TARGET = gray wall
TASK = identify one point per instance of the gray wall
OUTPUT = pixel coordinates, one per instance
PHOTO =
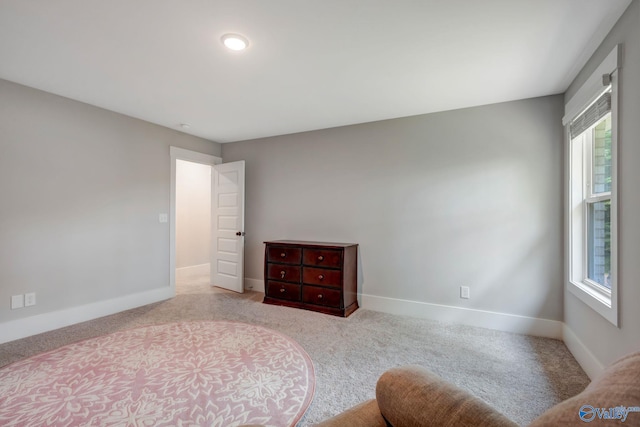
(468, 197)
(604, 340)
(81, 189)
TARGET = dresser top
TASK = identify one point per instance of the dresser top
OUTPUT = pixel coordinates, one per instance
(307, 243)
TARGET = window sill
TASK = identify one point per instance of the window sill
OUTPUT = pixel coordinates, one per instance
(598, 301)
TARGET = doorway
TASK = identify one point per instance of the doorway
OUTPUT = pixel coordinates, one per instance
(193, 223)
(211, 240)
(188, 267)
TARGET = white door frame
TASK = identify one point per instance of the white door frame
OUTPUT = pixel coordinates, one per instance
(176, 154)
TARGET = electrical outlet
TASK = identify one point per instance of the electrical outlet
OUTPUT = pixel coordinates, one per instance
(29, 299)
(17, 301)
(163, 217)
(464, 292)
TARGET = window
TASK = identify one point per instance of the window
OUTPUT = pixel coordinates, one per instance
(591, 119)
(592, 167)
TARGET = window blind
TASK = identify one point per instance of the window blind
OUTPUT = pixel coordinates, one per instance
(600, 108)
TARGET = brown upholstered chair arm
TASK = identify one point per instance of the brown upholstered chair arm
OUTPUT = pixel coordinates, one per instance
(413, 397)
(365, 414)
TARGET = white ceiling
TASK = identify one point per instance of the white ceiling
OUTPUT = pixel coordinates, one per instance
(310, 64)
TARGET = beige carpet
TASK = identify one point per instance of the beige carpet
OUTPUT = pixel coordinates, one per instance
(519, 375)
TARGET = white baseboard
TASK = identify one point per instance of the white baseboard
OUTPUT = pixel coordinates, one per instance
(193, 271)
(28, 326)
(465, 316)
(256, 285)
(585, 358)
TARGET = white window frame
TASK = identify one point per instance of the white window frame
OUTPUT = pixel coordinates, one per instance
(600, 299)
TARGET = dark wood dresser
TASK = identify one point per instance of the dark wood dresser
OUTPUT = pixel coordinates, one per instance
(312, 275)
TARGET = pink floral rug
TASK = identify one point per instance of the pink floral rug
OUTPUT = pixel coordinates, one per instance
(181, 374)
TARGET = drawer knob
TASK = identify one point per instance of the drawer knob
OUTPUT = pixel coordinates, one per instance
(281, 289)
(320, 296)
(320, 258)
(320, 276)
(282, 273)
(283, 255)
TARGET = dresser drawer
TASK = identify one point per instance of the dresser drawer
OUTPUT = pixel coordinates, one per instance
(322, 257)
(284, 254)
(283, 272)
(281, 290)
(321, 276)
(321, 296)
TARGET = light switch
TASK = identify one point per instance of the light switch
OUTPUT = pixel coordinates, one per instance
(163, 217)
(17, 301)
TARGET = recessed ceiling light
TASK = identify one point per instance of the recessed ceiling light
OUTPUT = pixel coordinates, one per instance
(235, 41)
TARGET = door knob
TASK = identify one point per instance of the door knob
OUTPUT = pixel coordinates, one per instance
(240, 233)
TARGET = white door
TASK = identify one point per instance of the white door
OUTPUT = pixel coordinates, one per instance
(227, 226)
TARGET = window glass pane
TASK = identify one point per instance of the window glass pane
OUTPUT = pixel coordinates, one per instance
(601, 170)
(599, 241)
